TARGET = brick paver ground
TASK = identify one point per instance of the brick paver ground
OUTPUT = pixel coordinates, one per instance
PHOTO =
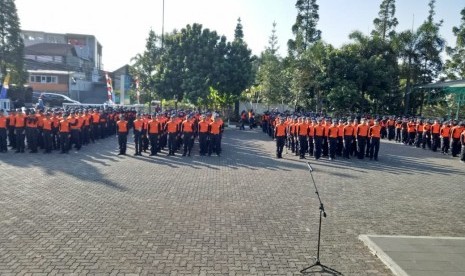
(244, 213)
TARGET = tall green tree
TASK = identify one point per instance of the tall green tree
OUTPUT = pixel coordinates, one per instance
(386, 22)
(239, 67)
(146, 67)
(271, 73)
(431, 45)
(455, 65)
(11, 43)
(305, 27)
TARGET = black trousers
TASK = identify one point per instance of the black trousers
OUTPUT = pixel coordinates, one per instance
(153, 143)
(203, 143)
(455, 146)
(138, 141)
(32, 139)
(361, 143)
(64, 141)
(426, 140)
(311, 145)
(95, 134)
(347, 146)
(122, 142)
(188, 142)
(391, 132)
(3, 138)
(20, 134)
(435, 142)
(214, 144)
(445, 143)
(303, 145)
(332, 144)
(398, 135)
(172, 142)
(76, 138)
(48, 140)
(374, 148)
(12, 136)
(419, 139)
(318, 140)
(280, 141)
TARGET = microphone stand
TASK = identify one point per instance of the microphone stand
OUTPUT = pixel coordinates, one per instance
(322, 213)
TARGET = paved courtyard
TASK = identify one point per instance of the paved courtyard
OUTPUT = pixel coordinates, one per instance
(244, 213)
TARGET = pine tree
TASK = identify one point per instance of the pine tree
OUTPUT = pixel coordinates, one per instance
(386, 22)
(305, 27)
(11, 43)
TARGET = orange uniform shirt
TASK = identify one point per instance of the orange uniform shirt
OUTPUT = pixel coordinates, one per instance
(375, 131)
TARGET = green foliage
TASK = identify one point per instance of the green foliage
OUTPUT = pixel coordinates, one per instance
(386, 23)
(193, 61)
(11, 43)
(455, 65)
(305, 27)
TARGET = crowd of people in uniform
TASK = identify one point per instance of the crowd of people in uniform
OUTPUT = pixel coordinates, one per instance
(360, 137)
(61, 130)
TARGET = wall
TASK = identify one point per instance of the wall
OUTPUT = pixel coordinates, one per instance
(261, 108)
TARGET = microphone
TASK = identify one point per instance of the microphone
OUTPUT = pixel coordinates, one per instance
(309, 167)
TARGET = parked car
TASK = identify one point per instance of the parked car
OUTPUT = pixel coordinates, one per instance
(52, 99)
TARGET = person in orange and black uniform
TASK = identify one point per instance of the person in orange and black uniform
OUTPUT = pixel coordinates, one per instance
(172, 130)
(153, 130)
(462, 142)
(122, 132)
(215, 129)
(32, 132)
(188, 130)
(76, 121)
(375, 136)
(419, 132)
(361, 134)
(303, 130)
(64, 130)
(95, 133)
(138, 126)
(11, 129)
(333, 133)
(55, 131)
(311, 134)
(47, 125)
(3, 134)
(20, 131)
(86, 127)
(426, 135)
(243, 119)
(349, 133)
(203, 128)
(280, 134)
(435, 134)
(391, 128)
(319, 134)
(411, 126)
(399, 130)
(444, 133)
(455, 133)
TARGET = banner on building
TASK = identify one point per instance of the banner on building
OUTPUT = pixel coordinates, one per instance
(6, 82)
(110, 94)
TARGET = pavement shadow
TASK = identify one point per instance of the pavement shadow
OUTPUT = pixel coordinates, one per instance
(79, 164)
(391, 164)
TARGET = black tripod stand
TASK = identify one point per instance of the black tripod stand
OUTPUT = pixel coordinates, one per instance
(322, 213)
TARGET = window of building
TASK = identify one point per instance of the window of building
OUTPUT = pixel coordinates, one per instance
(43, 79)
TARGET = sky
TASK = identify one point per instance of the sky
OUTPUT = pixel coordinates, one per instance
(122, 27)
